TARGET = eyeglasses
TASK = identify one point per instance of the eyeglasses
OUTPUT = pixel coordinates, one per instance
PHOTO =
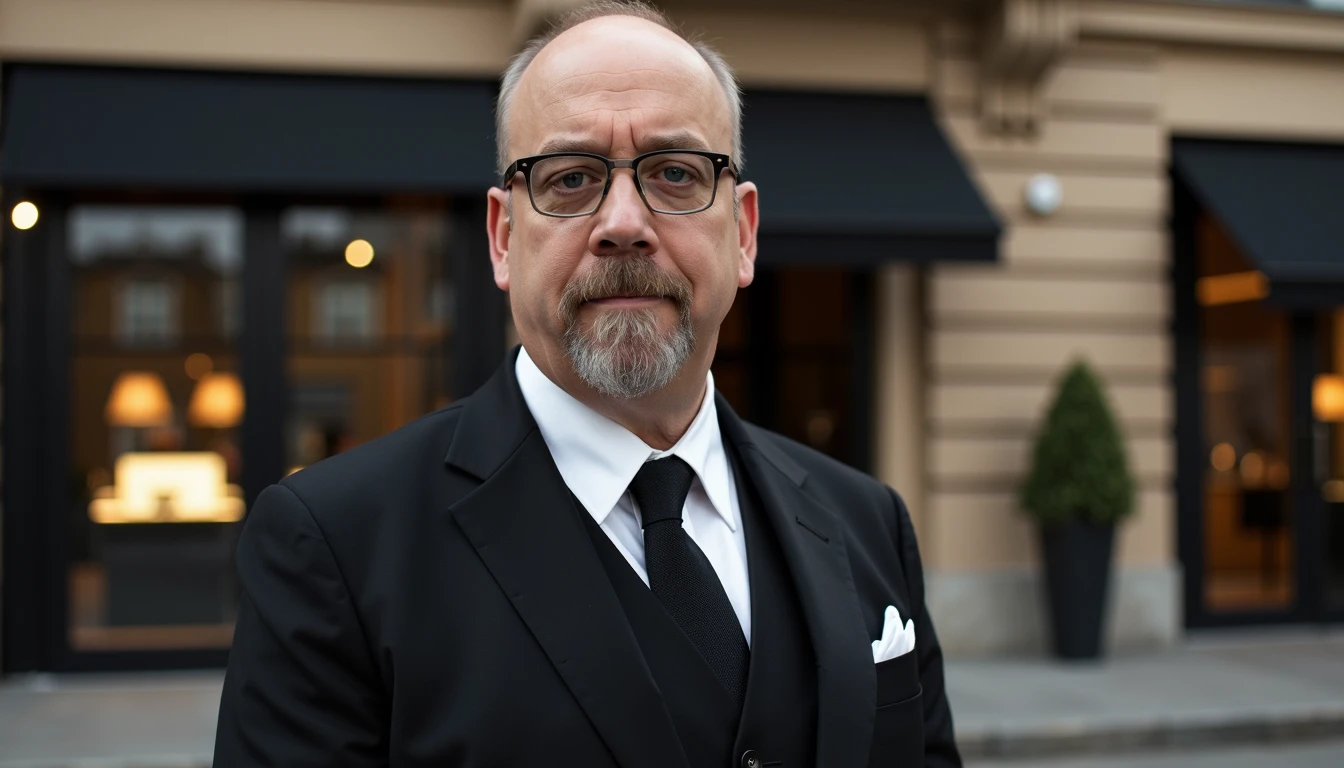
(571, 184)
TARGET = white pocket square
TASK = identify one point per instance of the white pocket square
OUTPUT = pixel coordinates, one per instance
(896, 640)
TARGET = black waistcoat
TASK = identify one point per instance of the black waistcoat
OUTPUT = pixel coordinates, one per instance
(778, 721)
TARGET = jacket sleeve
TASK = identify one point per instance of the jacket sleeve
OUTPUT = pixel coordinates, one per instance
(940, 745)
(301, 688)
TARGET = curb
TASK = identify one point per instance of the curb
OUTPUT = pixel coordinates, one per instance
(160, 761)
(1169, 732)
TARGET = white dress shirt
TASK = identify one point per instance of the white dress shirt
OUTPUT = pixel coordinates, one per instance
(598, 459)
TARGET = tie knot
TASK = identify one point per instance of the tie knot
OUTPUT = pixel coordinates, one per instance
(660, 489)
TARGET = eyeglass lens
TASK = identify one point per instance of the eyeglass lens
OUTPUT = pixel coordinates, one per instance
(571, 185)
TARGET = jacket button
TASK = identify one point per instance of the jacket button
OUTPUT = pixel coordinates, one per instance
(750, 760)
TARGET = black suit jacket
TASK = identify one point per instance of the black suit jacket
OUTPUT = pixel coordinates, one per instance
(422, 600)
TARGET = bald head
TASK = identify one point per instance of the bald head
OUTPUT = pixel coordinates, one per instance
(602, 55)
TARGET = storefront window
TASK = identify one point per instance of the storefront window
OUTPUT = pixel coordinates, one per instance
(155, 406)
(1246, 382)
(370, 322)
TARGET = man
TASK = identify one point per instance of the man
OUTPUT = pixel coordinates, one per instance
(592, 561)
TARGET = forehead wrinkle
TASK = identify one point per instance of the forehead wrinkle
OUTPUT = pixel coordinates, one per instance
(558, 98)
(583, 98)
(598, 110)
(646, 139)
(624, 73)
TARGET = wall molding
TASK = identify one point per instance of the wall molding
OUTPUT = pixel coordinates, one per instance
(1276, 27)
(1022, 41)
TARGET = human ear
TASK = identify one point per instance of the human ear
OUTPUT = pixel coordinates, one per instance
(748, 220)
(499, 227)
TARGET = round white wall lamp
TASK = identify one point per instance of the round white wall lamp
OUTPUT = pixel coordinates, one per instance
(1044, 194)
(24, 215)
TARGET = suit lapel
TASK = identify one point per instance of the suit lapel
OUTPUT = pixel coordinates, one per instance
(817, 558)
(522, 522)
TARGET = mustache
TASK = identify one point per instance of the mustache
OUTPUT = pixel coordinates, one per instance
(623, 277)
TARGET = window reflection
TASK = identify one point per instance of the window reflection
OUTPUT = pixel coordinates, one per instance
(156, 403)
(370, 306)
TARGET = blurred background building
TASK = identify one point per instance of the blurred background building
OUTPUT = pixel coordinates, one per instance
(248, 234)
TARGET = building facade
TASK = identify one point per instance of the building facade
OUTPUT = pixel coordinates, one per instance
(260, 239)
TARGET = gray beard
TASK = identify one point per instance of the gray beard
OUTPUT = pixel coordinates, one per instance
(623, 355)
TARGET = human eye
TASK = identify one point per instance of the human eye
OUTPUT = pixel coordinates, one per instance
(566, 177)
(673, 172)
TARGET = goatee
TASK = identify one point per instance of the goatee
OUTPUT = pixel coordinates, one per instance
(623, 353)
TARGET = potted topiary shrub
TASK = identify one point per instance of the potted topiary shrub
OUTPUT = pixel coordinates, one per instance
(1078, 489)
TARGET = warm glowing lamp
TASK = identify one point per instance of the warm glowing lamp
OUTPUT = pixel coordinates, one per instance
(139, 399)
(359, 254)
(1327, 397)
(24, 215)
(168, 488)
(217, 401)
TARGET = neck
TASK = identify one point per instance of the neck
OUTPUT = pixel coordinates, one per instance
(658, 418)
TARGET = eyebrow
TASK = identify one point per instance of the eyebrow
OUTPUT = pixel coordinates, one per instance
(672, 140)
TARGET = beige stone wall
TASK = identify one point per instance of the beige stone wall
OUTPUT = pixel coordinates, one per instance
(1286, 95)
(464, 37)
(899, 451)
(872, 47)
(1088, 281)
(872, 51)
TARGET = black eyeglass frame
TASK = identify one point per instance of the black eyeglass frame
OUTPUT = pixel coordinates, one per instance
(524, 165)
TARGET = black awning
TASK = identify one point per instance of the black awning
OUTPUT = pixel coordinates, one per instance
(860, 180)
(98, 127)
(1282, 203)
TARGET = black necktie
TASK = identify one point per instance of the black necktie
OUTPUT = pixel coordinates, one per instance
(682, 578)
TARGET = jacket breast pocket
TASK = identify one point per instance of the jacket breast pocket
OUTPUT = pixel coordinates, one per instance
(898, 731)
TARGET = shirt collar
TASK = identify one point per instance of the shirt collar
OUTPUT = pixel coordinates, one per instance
(598, 457)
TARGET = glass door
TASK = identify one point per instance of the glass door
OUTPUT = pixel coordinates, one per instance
(1246, 382)
(1260, 433)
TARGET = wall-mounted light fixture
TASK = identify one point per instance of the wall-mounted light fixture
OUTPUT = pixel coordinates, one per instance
(1044, 194)
(24, 215)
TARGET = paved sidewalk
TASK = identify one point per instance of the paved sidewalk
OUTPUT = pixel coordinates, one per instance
(1227, 689)
(145, 720)
(1271, 690)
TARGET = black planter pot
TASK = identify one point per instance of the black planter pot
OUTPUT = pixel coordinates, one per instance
(1077, 573)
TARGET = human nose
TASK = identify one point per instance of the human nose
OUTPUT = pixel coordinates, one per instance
(623, 222)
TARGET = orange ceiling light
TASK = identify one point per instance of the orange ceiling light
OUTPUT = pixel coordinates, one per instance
(1234, 288)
